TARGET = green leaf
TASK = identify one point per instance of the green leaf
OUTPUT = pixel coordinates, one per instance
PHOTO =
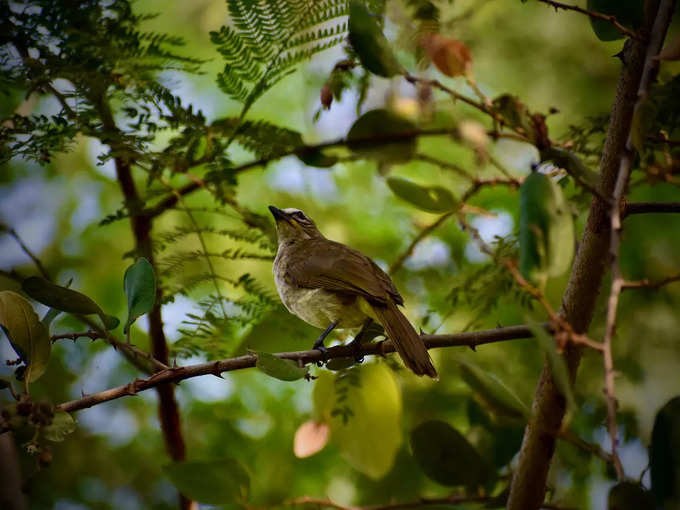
(384, 136)
(212, 482)
(367, 39)
(337, 364)
(366, 418)
(546, 230)
(29, 337)
(64, 299)
(629, 13)
(316, 158)
(283, 369)
(502, 401)
(447, 457)
(644, 115)
(630, 496)
(664, 455)
(428, 198)
(62, 425)
(323, 396)
(556, 362)
(140, 288)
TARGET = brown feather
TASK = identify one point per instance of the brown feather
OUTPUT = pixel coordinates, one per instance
(406, 340)
(321, 263)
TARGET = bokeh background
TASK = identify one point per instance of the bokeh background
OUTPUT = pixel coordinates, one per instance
(547, 59)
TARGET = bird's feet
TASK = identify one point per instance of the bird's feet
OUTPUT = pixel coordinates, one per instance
(357, 353)
(319, 346)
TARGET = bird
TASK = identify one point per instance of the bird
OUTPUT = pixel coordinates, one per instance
(330, 285)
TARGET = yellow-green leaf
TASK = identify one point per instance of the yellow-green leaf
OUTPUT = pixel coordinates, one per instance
(428, 198)
(283, 369)
(62, 425)
(323, 396)
(366, 418)
(27, 334)
(212, 482)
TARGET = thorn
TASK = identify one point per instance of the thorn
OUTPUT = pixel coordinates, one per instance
(473, 348)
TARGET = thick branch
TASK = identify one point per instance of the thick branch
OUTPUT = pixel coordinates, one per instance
(578, 304)
(176, 374)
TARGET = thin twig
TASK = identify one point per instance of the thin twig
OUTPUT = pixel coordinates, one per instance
(650, 207)
(30, 254)
(92, 335)
(170, 201)
(447, 165)
(477, 185)
(562, 326)
(648, 74)
(453, 500)
(176, 374)
(649, 284)
(593, 448)
(593, 14)
(399, 261)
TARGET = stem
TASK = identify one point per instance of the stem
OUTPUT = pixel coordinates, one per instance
(175, 374)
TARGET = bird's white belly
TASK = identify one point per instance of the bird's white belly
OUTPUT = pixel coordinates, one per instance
(320, 307)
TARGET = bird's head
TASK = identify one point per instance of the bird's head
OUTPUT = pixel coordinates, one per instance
(292, 224)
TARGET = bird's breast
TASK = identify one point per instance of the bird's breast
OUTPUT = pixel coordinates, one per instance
(318, 307)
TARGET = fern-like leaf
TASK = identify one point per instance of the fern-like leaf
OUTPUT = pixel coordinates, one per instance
(269, 38)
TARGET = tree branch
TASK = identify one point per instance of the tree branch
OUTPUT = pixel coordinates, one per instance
(176, 374)
(650, 207)
(578, 303)
(625, 167)
(648, 284)
(593, 14)
(27, 251)
(453, 500)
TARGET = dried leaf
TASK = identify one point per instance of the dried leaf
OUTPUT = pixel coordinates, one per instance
(450, 56)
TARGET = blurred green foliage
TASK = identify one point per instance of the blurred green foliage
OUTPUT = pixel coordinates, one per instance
(214, 248)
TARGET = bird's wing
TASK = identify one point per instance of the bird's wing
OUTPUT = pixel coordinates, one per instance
(334, 266)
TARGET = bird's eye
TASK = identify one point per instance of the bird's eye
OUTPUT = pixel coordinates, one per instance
(299, 216)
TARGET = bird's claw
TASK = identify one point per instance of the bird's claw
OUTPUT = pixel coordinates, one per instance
(319, 346)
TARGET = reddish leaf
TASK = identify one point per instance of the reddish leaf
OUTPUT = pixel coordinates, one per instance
(450, 56)
(310, 438)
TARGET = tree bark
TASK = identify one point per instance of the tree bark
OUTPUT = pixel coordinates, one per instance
(11, 495)
(578, 303)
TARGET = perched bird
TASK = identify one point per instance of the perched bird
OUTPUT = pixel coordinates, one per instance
(330, 285)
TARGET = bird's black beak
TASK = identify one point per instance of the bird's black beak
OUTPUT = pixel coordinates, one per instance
(278, 213)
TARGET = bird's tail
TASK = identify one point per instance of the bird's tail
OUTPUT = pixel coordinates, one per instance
(406, 340)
